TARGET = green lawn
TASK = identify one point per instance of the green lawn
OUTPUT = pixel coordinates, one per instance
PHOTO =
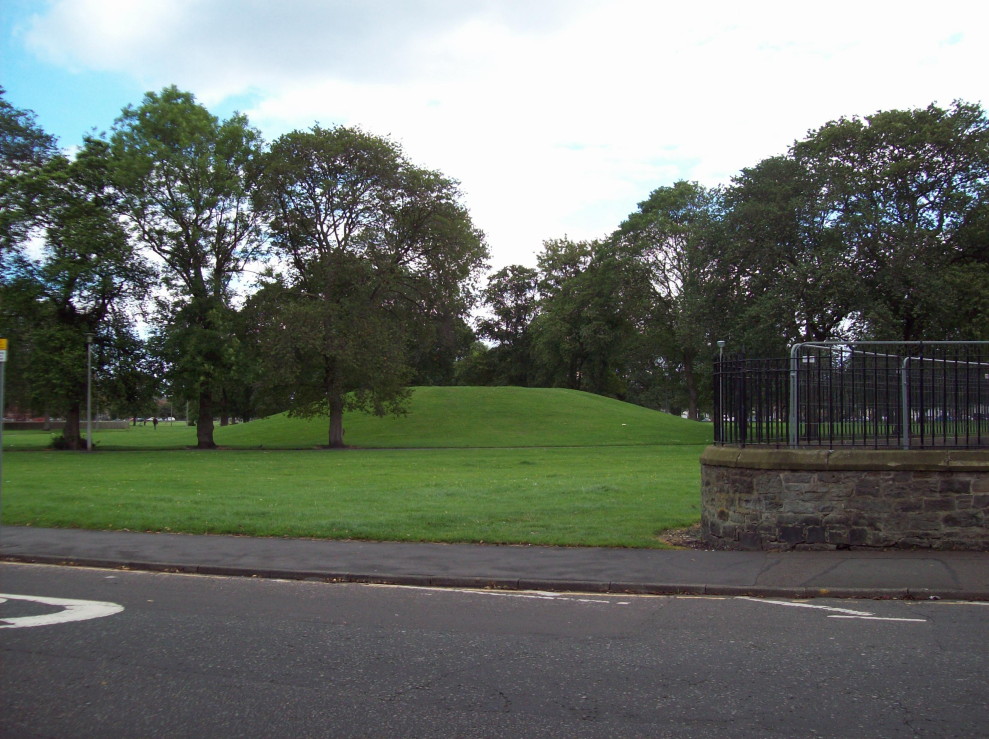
(496, 465)
(438, 417)
(604, 496)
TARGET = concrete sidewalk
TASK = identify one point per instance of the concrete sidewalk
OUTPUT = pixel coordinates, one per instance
(842, 574)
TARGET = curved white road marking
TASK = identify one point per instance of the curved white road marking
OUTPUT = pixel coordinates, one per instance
(73, 610)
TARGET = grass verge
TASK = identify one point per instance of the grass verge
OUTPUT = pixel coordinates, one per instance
(598, 496)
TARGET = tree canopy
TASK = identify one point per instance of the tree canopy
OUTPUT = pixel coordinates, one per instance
(186, 180)
(374, 250)
(325, 271)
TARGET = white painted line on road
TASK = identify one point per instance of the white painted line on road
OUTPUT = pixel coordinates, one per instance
(882, 618)
(844, 612)
(528, 594)
(539, 595)
(73, 610)
(791, 604)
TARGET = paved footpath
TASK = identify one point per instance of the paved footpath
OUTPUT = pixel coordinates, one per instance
(840, 574)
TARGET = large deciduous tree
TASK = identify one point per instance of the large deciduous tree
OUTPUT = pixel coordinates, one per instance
(187, 179)
(24, 146)
(86, 279)
(869, 228)
(594, 303)
(373, 248)
(675, 234)
(788, 266)
(512, 297)
(903, 185)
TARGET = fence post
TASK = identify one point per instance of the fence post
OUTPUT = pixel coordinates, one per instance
(905, 402)
(792, 421)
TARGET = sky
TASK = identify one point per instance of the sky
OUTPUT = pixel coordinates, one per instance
(557, 116)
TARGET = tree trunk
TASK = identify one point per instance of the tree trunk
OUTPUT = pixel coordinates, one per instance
(70, 432)
(204, 428)
(336, 420)
(690, 379)
(224, 412)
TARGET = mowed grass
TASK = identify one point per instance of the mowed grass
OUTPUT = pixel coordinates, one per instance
(604, 496)
(495, 465)
(438, 417)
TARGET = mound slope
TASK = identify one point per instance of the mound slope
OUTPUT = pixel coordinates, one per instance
(458, 417)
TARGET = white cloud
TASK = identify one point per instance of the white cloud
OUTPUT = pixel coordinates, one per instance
(558, 117)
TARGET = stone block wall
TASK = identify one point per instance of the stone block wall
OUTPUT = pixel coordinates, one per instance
(757, 498)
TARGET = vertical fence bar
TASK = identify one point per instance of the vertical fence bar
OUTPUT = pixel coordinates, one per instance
(905, 403)
(716, 393)
(794, 351)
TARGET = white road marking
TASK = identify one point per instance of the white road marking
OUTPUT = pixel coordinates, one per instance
(539, 595)
(844, 612)
(73, 610)
(883, 618)
(528, 594)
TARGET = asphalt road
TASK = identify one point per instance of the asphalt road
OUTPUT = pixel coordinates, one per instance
(208, 656)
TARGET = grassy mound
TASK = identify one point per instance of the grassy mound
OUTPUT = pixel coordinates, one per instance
(458, 417)
(560, 467)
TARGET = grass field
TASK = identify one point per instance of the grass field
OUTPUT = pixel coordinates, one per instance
(438, 417)
(537, 467)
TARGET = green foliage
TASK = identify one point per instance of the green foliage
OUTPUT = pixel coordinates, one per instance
(868, 227)
(594, 303)
(186, 179)
(87, 280)
(24, 147)
(676, 236)
(512, 296)
(379, 254)
(874, 227)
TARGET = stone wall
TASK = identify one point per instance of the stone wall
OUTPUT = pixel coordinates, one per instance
(758, 498)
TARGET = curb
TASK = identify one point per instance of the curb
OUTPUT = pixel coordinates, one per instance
(519, 584)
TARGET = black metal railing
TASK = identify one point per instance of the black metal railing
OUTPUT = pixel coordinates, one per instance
(857, 394)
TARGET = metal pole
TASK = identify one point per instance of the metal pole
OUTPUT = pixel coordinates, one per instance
(3, 364)
(89, 392)
(794, 364)
(905, 402)
(719, 410)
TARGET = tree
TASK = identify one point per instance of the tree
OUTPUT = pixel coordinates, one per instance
(788, 266)
(24, 146)
(512, 297)
(374, 249)
(87, 280)
(187, 179)
(593, 307)
(675, 234)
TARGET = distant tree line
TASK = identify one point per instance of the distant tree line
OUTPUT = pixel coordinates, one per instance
(874, 228)
(324, 271)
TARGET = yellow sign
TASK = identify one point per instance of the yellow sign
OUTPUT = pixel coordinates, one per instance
(3, 345)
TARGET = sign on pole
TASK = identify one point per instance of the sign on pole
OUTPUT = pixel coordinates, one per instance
(3, 350)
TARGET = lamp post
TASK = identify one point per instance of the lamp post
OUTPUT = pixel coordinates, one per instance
(89, 392)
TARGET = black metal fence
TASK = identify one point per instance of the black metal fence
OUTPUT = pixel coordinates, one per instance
(857, 394)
